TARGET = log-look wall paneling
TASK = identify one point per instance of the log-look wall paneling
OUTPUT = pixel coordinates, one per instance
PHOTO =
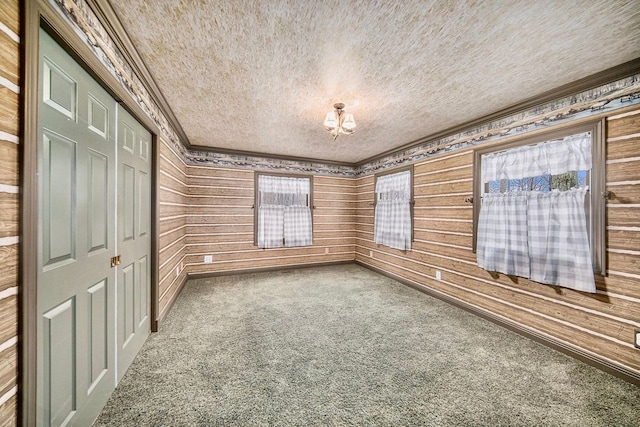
(9, 206)
(600, 325)
(623, 211)
(173, 195)
(220, 221)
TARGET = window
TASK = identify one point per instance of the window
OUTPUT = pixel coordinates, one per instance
(541, 214)
(283, 211)
(393, 221)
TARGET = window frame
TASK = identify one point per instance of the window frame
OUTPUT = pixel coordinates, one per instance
(412, 200)
(256, 199)
(597, 185)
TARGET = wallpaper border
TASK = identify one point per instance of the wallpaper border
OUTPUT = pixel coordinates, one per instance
(605, 98)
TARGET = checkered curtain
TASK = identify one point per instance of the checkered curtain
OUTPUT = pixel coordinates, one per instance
(283, 212)
(559, 239)
(539, 235)
(392, 220)
(297, 226)
(270, 230)
(502, 234)
(572, 153)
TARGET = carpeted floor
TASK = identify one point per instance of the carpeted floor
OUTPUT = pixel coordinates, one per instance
(345, 346)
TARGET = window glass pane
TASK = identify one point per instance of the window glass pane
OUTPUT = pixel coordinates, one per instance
(283, 199)
(544, 183)
(494, 186)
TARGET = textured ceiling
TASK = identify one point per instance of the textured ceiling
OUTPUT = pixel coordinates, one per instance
(261, 75)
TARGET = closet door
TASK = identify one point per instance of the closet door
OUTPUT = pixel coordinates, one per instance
(94, 280)
(76, 241)
(134, 242)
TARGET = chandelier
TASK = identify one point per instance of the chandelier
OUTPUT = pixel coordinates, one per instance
(338, 122)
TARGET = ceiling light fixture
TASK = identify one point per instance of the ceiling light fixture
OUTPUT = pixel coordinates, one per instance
(338, 122)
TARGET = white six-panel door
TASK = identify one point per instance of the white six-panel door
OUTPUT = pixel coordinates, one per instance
(134, 242)
(87, 198)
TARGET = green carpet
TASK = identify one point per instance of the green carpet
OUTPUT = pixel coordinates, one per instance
(346, 346)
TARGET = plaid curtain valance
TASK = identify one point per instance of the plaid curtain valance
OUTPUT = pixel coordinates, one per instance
(572, 153)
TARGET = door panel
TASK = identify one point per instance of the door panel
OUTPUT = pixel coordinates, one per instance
(143, 296)
(59, 89)
(134, 244)
(59, 359)
(126, 292)
(98, 200)
(128, 136)
(98, 117)
(143, 214)
(59, 201)
(98, 300)
(128, 204)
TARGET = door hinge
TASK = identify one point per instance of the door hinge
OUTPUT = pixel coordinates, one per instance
(115, 261)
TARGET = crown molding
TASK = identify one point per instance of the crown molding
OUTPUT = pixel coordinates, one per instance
(590, 82)
(112, 24)
(194, 149)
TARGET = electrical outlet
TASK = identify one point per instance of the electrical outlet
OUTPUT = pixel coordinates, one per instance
(371, 254)
(438, 275)
(208, 259)
(326, 250)
(636, 342)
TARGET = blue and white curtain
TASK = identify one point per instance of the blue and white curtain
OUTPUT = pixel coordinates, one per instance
(284, 214)
(392, 223)
(540, 235)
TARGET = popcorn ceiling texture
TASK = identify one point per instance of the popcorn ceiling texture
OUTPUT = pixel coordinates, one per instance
(260, 76)
(606, 98)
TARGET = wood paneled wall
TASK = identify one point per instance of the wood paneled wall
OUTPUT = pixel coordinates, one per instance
(206, 210)
(220, 223)
(9, 206)
(601, 324)
(173, 192)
